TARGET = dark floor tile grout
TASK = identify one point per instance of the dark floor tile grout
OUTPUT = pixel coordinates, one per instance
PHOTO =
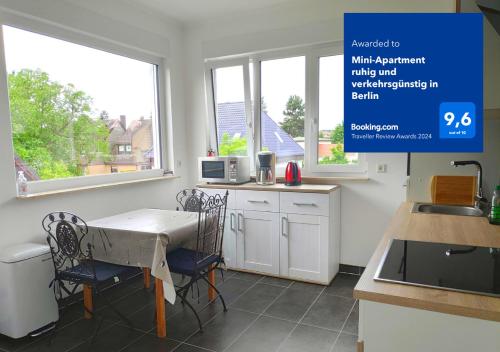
(258, 316)
(294, 322)
(229, 275)
(87, 339)
(216, 315)
(133, 341)
(188, 344)
(301, 318)
(342, 328)
(340, 296)
(173, 315)
(274, 285)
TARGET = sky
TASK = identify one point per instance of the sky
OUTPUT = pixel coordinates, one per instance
(282, 78)
(119, 85)
(123, 86)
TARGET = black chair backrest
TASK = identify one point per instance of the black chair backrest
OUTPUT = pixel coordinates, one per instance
(65, 232)
(190, 199)
(211, 218)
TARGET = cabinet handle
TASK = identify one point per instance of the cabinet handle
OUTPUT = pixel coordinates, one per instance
(283, 221)
(306, 204)
(240, 223)
(257, 201)
(231, 220)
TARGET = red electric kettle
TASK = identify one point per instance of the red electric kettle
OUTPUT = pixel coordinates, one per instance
(292, 174)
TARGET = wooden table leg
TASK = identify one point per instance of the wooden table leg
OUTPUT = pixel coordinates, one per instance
(211, 292)
(161, 321)
(87, 301)
(147, 277)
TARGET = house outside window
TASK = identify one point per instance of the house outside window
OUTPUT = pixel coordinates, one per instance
(94, 120)
(298, 112)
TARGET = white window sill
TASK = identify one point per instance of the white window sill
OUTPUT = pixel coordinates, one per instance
(93, 187)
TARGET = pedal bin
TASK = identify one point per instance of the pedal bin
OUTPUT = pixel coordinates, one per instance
(27, 303)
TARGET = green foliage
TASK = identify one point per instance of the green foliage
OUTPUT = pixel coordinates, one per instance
(232, 145)
(53, 131)
(293, 124)
(337, 157)
(321, 134)
(338, 134)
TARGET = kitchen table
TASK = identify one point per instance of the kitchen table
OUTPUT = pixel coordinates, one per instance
(142, 238)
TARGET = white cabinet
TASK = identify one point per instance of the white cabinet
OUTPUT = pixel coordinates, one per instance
(304, 247)
(287, 234)
(259, 201)
(310, 236)
(258, 242)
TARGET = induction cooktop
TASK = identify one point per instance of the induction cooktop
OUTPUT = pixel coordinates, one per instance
(444, 266)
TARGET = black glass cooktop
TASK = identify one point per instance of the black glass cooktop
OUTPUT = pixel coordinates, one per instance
(441, 265)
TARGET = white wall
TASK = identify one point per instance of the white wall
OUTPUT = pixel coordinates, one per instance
(425, 165)
(491, 59)
(20, 220)
(366, 206)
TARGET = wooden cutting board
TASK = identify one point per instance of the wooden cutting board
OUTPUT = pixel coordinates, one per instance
(458, 190)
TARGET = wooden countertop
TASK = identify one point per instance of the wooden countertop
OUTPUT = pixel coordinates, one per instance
(465, 230)
(278, 187)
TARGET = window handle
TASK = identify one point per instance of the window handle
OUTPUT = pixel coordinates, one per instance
(304, 204)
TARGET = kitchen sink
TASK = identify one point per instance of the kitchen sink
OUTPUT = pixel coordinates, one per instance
(427, 208)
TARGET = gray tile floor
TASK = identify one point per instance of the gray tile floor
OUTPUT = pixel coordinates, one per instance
(265, 314)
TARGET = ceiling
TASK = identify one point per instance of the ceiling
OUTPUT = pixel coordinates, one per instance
(195, 10)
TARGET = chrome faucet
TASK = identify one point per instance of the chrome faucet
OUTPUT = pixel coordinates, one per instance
(479, 198)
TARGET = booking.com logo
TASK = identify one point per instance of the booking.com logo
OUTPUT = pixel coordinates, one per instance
(372, 127)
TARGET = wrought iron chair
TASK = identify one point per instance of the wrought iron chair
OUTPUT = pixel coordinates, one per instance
(206, 256)
(74, 265)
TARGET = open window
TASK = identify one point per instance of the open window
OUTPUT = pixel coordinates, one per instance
(230, 111)
(290, 102)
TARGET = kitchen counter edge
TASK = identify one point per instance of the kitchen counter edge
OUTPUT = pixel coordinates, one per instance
(278, 187)
(464, 230)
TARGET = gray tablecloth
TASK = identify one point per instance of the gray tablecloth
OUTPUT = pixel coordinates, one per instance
(140, 238)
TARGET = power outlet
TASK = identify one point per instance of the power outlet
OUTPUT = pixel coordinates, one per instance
(381, 168)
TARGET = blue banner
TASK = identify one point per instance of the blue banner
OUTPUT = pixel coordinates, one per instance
(413, 82)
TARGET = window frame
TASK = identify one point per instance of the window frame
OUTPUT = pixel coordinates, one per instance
(313, 76)
(312, 54)
(210, 87)
(162, 140)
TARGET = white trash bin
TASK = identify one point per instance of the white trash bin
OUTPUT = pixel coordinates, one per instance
(27, 303)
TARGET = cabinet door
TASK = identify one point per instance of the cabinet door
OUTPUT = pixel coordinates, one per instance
(258, 241)
(229, 240)
(304, 247)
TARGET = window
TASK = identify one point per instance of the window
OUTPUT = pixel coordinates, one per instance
(330, 146)
(78, 111)
(300, 114)
(124, 149)
(283, 108)
(230, 110)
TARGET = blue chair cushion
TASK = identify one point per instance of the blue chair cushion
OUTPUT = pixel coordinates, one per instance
(183, 261)
(103, 272)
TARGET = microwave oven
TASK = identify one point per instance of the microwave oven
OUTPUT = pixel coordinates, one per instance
(224, 169)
